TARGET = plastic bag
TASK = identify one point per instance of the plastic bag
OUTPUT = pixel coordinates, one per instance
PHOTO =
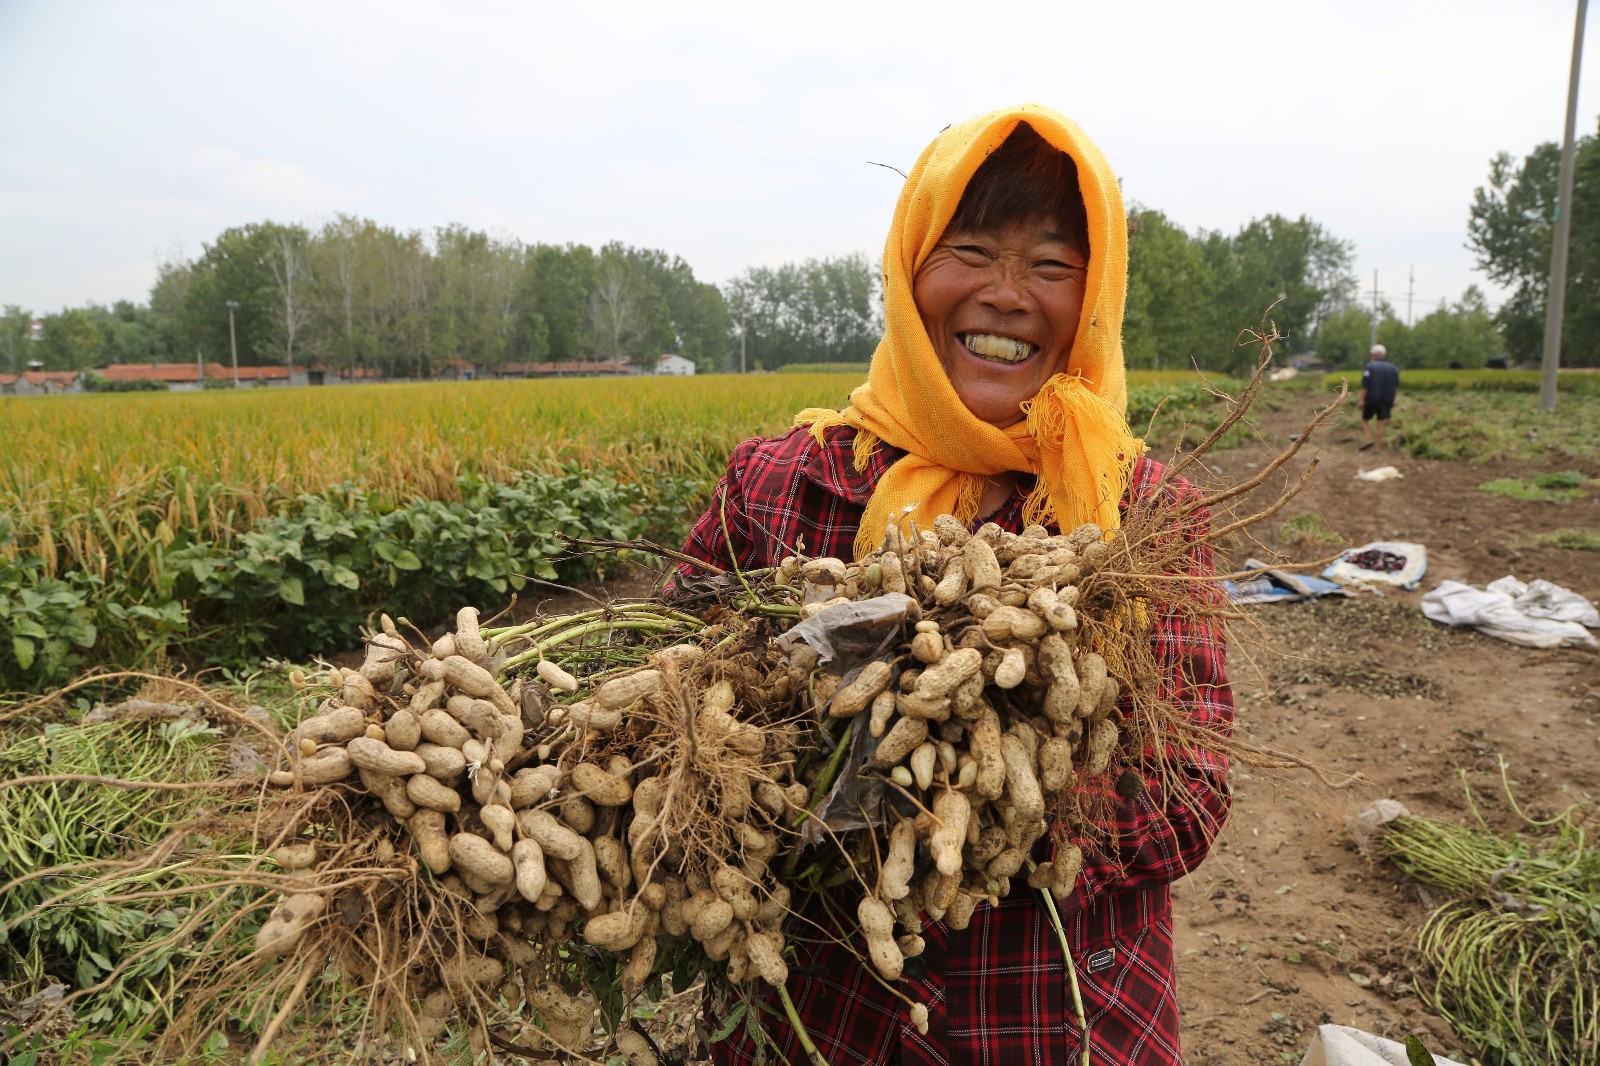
(1413, 563)
(1340, 1045)
(1501, 611)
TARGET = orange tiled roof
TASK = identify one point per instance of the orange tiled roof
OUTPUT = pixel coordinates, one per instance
(182, 372)
(570, 366)
(153, 372)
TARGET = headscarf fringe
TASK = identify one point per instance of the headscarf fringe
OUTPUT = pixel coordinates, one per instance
(1093, 448)
(970, 499)
(1036, 509)
(866, 444)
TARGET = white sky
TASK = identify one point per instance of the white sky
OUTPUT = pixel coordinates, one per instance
(738, 134)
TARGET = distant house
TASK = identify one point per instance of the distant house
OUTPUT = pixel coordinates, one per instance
(571, 368)
(319, 374)
(674, 364)
(179, 377)
(454, 370)
(185, 377)
(1307, 363)
(41, 383)
(251, 376)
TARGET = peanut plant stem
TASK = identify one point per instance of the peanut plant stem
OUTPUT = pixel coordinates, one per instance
(817, 1058)
(537, 652)
(1072, 975)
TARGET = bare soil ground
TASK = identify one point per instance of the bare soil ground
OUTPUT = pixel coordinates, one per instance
(1286, 926)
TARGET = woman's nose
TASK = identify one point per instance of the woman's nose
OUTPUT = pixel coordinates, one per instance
(1004, 288)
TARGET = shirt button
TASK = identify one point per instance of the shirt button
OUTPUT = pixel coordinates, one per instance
(915, 968)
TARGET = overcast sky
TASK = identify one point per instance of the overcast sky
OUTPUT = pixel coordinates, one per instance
(739, 134)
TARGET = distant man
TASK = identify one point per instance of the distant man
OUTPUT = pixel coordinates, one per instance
(1380, 383)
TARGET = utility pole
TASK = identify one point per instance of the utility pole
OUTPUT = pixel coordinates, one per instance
(1374, 307)
(741, 337)
(1411, 290)
(1557, 293)
(233, 342)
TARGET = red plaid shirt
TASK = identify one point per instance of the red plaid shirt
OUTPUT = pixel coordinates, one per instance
(996, 992)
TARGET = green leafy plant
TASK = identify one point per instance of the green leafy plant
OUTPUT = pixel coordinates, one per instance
(1573, 539)
(1308, 532)
(1479, 426)
(1181, 413)
(303, 581)
(1561, 479)
(1543, 488)
(68, 928)
(46, 624)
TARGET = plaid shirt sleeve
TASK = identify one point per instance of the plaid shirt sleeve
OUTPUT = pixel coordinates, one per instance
(997, 992)
(785, 494)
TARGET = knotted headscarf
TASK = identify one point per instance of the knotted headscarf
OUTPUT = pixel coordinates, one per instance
(1074, 437)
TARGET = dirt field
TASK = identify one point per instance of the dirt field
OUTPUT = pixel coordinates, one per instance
(1286, 926)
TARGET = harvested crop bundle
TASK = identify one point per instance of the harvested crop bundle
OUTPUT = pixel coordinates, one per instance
(909, 734)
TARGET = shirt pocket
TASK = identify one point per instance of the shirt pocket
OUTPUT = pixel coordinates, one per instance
(1125, 974)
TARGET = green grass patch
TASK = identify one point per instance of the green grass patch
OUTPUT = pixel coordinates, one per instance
(1477, 426)
(1182, 413)
(1544, 488)
(1308, 533)
(1560, 479)
(1569, 383)
(1574, 539)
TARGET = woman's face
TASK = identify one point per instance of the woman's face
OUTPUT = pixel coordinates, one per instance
(1002, 309)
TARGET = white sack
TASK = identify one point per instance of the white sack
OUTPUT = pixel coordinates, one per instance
(1497, 613)
(1340, 1045)
(1545, 599)
(1350, 575)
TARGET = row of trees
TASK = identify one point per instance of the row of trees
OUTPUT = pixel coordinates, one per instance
(356, 294)
(1189, 296)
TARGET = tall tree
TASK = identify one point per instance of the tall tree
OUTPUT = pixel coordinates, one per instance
(629, 317)
(1293, 266)
(552, 302)
(1171, 289)
(288, 261)
(16, 328)
(1454, 335)
(233, 267)
(1511, 228)
(341, 268)
(816, 311)
(1344, 337)
(71, 341)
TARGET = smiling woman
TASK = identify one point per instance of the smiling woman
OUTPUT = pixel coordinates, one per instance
(997, 395)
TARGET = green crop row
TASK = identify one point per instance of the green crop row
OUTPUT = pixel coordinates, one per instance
(303, 581)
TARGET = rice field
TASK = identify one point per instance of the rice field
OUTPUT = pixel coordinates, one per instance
(103, 483)
(90, 479)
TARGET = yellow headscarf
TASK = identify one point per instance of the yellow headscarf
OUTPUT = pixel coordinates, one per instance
(1075, 437)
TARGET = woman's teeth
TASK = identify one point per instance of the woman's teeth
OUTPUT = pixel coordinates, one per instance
(1002, 349)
